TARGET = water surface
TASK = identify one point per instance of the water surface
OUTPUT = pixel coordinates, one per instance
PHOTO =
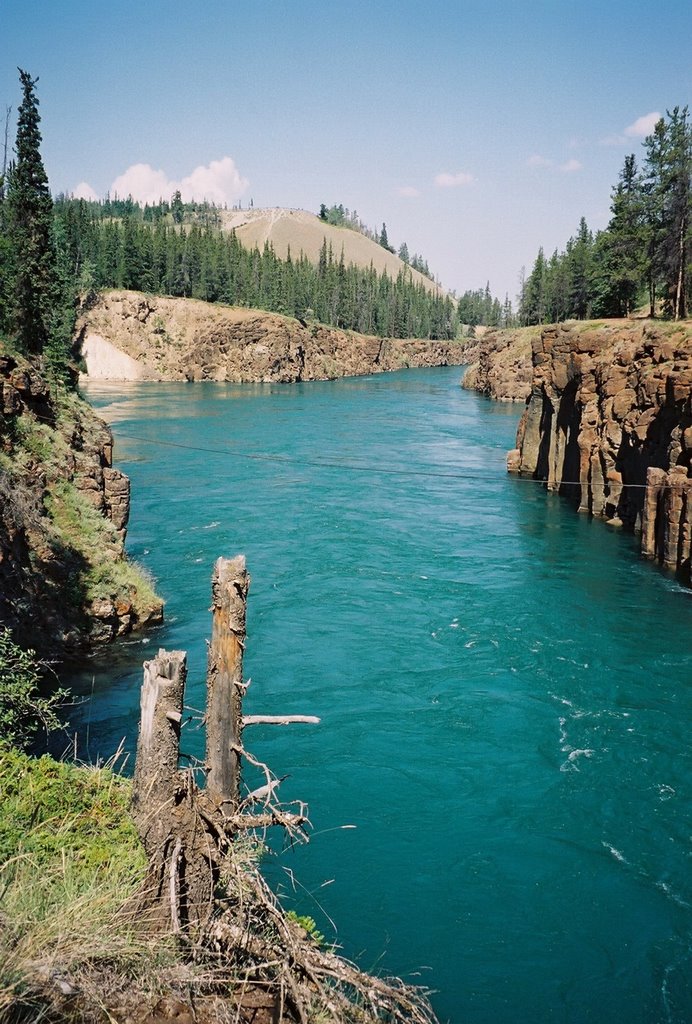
(504, 686)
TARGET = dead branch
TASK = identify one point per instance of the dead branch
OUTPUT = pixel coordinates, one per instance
(279, 719)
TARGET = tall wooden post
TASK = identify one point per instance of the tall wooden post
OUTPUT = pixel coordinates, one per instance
(229, 585)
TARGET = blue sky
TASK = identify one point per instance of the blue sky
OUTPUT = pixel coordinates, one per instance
(476, 130)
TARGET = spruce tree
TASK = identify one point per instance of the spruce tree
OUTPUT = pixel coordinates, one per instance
(29, 219)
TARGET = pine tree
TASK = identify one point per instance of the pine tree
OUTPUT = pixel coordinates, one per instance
(29, 219)
(620, 250)
(677, 197)
(533, 300)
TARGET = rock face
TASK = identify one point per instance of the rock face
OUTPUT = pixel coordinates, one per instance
(608, 422)
(64, 581)
(500, 364)
(130, 336)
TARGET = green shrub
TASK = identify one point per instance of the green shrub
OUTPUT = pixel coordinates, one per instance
(24, 711)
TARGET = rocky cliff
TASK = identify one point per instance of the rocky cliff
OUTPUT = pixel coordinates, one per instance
(500, 364)
(130, 336)
(65, 583)
(608, 422)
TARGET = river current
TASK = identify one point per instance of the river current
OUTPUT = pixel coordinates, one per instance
(499, 788)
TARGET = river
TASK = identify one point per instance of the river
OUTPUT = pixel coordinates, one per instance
(504, 686)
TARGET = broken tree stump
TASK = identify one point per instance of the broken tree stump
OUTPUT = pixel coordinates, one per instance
(188, 832)
(157, 777)
(224, 719)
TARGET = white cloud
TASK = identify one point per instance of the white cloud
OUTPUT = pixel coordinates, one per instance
(408, 191)
(219, 182)
(447, 180)
(143, 183)
(570, 166)
(84, 191)
(539, 161)
(643, 125)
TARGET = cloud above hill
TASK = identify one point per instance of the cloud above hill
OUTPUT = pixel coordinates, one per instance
(84, 191)
(447, 180)
(218, 182)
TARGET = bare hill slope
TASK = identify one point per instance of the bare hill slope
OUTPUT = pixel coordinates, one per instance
(305, 232)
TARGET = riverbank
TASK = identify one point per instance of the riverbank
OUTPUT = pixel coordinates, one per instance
(66, 585)
(131, 336)
(608, 421)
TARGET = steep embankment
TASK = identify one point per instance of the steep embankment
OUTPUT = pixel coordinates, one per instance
(64, 581)
(131, 336)
(609, 423)
(500, 364)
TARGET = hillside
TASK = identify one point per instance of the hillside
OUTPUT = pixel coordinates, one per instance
(304, 232)
(127, 335)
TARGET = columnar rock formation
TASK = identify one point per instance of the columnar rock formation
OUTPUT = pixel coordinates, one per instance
(64, 581)
(609, 423)
(130, 336)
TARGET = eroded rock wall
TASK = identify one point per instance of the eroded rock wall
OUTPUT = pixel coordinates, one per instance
(130, 336)
(500, 364)
(64, 510)
(609, 422)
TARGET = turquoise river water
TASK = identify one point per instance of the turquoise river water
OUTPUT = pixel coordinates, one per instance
(504, 687)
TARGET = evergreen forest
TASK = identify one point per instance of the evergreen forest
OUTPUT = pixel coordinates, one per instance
(119, 244)
(52, 251)
(643, 259)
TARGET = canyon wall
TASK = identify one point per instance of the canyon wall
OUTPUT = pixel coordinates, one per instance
(65, 583)
(500, 363)
(130, 336)
(608, 422)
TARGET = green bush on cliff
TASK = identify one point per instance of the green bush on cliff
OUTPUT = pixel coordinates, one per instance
(82, 527)
(24, 711)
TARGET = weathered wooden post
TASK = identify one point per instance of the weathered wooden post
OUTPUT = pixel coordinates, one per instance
(224, 717)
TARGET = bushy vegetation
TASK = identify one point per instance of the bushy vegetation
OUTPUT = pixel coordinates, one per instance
(643, 258)
(24, 710)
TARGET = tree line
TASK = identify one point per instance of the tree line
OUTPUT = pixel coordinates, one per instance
(53, 251)
(341, 216)
(149, 250)
(480, 306)
(643, 257)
